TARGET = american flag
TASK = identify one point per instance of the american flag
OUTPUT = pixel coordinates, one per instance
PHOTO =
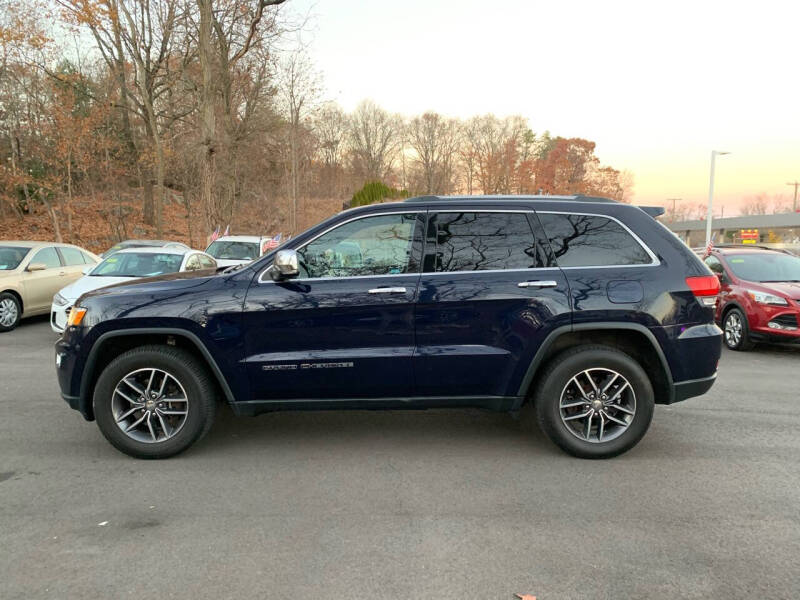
(273, 243)
(709, 247)
(215, 234)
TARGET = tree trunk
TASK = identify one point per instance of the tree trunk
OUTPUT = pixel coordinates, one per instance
(149, 201)
(208, 125)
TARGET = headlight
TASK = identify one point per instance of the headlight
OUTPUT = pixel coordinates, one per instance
(59, 300)
(76, 316)
(765, 298)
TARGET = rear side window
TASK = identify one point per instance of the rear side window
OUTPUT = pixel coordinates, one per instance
(475, 241)
(591, 241)
(72, 256)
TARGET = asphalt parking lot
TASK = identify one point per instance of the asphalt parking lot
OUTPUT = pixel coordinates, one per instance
(431, 504)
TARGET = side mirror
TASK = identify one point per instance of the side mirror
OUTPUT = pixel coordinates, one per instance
(36, 267)
(286, 265)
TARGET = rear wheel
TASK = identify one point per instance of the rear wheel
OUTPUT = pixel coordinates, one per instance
(737, 335)
(594, 402)
(154, 401)
(10, 311)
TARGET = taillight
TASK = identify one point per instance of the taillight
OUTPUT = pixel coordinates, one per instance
(705, 288)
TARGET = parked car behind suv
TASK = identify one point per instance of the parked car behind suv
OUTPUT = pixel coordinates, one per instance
(588, 309)
(31, 272)
(760, 295)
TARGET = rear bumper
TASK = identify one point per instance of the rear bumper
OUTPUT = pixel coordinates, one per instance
(694, 387)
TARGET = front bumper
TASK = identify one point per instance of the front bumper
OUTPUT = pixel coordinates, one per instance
(66, 361)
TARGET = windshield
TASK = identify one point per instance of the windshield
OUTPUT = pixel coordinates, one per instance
(11, 256)
(233, 250)
(765, 267)
(138, 264)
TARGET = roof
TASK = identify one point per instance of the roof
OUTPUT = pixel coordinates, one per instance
(743, 249)
(255, 239)
(179, 250)
(31, 243)
(740, 222)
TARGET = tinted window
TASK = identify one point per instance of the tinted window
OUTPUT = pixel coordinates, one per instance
(713, 263)
(47, 256)
(379, 245)
(482, 242)
(72, 256)
(89, 260)
(591, 241)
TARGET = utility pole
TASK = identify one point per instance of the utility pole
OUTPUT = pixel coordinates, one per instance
(709, 215)
(794, 202)
(674, 200)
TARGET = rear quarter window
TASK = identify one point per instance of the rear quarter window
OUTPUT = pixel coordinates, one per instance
(591, 241)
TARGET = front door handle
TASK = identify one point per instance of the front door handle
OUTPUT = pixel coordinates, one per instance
(538, 284)
(388, 290)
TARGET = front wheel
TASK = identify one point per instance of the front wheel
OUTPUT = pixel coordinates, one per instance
(10, 312)
(154, 401)
(737, 335)
(594, 402)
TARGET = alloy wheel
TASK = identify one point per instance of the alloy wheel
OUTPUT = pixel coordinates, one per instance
(149, 405)
(8, 312)
(733, 329)
(597, 405)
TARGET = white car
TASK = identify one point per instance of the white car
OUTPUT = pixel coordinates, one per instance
(126, 265)
(231, 250)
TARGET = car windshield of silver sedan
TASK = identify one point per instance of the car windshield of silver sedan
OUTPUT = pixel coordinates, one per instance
(11, 256)
(138, 264)
(765, 267)
(233, 250)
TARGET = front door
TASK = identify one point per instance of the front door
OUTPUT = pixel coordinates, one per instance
(343, 329)
(489, 295)
(41, 286)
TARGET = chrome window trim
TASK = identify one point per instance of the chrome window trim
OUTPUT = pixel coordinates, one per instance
(654, 260)
(337, 225)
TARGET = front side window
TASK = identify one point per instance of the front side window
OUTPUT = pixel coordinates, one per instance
(377, 245)
(48, 257)
(138, 264)
(475, 241)
(11, 256)
(591, 241)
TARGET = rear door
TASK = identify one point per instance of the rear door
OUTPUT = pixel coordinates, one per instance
(74, 263)
(489, 295)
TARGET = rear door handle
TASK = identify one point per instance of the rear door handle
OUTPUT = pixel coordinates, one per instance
(388, 290)
(538, 284)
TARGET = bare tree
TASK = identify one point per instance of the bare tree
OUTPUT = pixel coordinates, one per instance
(435, 141)
(375, 138)
(299, 86)
(756, 205)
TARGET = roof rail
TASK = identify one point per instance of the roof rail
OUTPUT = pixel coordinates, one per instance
(510, 197)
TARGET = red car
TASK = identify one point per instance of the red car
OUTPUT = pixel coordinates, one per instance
(760, 296)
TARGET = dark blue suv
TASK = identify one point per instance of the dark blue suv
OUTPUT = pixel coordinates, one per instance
(588, 309)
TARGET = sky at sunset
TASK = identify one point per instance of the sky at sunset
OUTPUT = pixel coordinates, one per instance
(656, 86)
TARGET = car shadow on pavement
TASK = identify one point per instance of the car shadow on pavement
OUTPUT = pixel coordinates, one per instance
(332, 428)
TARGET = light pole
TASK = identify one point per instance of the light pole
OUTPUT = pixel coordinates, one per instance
(714, 154)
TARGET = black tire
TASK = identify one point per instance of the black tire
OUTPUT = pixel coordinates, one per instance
(555, 380)
(191, 374)
(9, 301)
(743, 342)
